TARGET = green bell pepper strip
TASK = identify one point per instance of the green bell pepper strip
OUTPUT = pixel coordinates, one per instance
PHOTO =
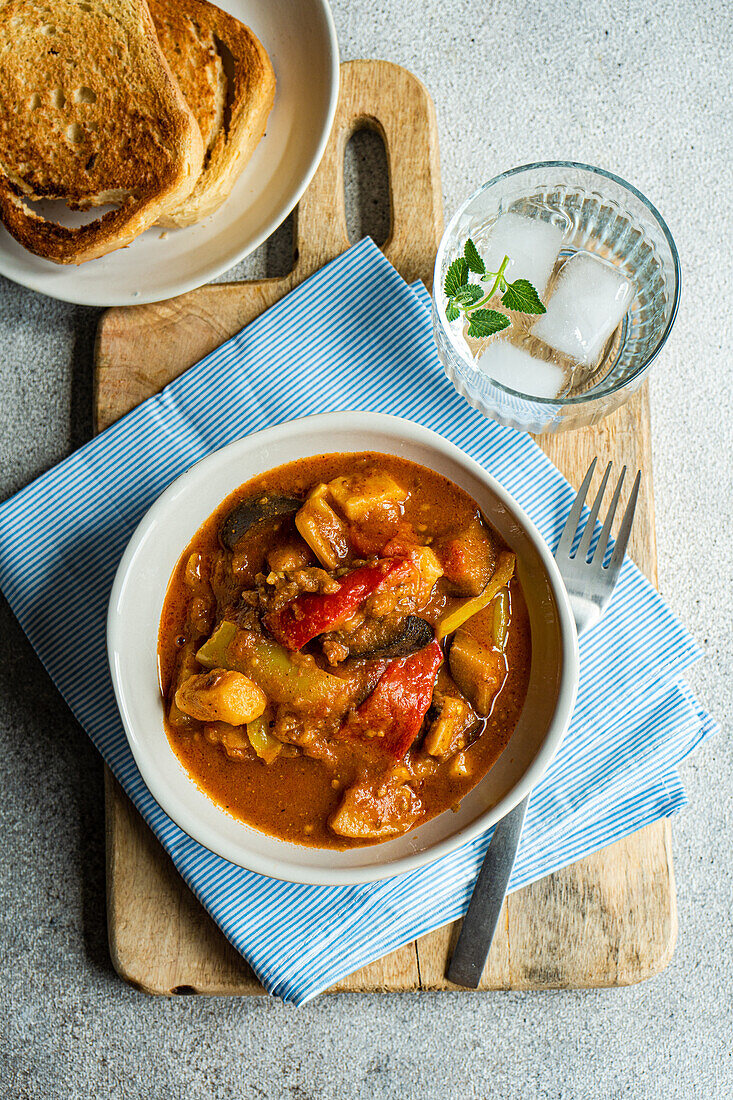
(500, 625)
(301, 686)
(265, 745)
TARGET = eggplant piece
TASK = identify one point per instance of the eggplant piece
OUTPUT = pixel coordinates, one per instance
(413, 633)
(252, 512)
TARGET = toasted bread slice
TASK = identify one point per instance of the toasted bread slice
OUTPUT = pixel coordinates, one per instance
(90, 114)
(225, 75)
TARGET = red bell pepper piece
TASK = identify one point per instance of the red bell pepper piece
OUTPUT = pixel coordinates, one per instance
(392, 715)
(309, 615)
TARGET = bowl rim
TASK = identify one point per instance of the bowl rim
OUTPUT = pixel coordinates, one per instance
(287, 869)
(584, 398)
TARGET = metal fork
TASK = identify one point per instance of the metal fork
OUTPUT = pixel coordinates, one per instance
(589, 584)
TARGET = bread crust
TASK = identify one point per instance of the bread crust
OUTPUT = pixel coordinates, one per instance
(190, 47)
(187, 24)
(89, 113)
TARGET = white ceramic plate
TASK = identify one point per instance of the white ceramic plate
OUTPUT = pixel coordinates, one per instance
(301, 41)
(132, 630)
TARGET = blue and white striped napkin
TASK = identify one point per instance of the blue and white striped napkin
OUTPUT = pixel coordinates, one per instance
(635, 718)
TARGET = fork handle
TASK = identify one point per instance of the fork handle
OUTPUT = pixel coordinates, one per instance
(479, 924)
(482, 916)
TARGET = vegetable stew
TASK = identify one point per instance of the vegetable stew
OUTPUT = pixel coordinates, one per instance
(344, 649)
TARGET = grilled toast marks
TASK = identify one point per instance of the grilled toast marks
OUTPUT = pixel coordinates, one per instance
(90, 114)
(226, 76)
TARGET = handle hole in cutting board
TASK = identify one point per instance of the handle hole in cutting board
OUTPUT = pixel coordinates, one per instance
(279, 249)
(366, 186)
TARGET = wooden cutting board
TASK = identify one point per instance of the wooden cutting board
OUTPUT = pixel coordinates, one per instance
(607, 920)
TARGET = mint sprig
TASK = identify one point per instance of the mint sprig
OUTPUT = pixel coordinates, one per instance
(467, 295)
(522, 297)
(456, 277)
(485, 322)
(474, 261)
(470, 299)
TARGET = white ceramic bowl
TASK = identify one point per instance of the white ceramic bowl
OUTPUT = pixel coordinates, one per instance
(132, 631)
(301, 41)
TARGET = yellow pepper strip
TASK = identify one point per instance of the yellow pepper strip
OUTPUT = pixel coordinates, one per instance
(265, 745)
(461, 614)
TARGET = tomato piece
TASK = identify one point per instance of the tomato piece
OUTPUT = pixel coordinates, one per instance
(309, 615)
(393, 714)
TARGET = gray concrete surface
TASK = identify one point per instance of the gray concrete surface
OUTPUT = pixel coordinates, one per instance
(637, 87)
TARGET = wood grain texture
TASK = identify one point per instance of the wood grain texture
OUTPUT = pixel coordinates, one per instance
(609, 919)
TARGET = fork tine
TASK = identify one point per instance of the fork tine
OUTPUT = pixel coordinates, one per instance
(582, 553)
(600, 550)
(625, 530)
(571, 525)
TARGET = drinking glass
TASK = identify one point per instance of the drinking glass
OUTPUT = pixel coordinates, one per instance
(599, 213)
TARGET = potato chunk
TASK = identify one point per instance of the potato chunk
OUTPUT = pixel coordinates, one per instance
(360, 494)
(480, 672)
(221, 696)
(429, 570)
(448, 732)
(367, 813)
(322, 529)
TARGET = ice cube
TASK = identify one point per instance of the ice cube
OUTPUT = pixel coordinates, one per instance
(517, 369)
(589, 300)
(531, 245)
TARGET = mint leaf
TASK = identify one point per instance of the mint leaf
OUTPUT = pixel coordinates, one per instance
(456, 277)
(473, 259)
(467, 295)
(485, 322)
(522, 297)
(452, 312)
